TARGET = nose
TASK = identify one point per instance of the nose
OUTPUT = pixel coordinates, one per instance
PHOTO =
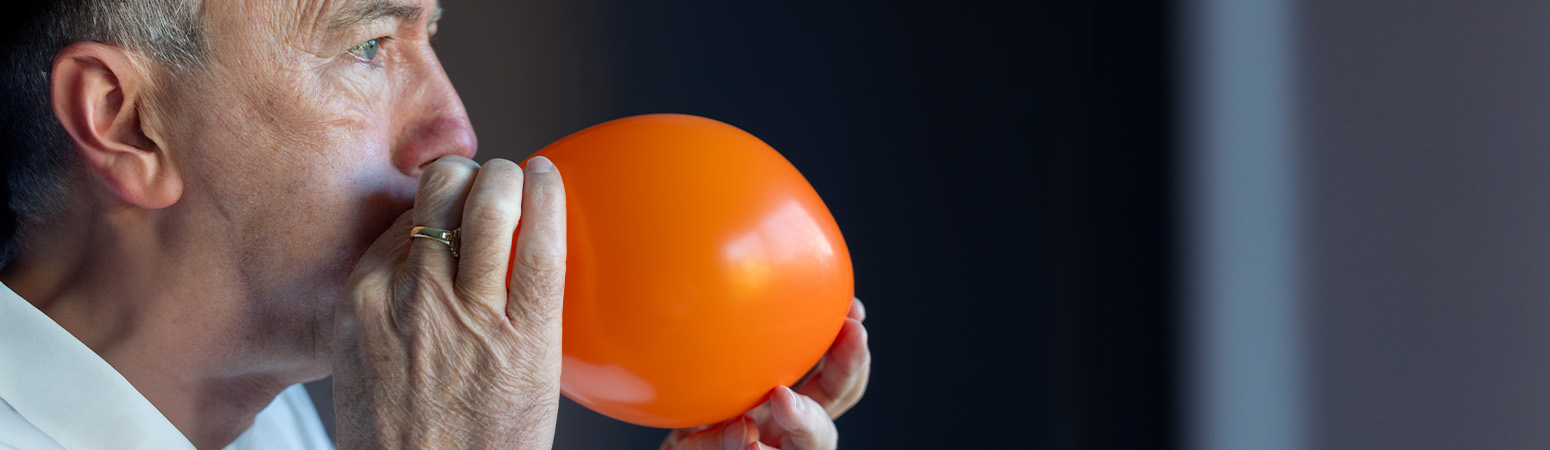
(432, 139)
(434, 121)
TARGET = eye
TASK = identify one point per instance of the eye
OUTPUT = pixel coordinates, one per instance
(366, 51)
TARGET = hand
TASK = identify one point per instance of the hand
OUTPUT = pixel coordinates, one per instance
(434, 351)
(802, 419)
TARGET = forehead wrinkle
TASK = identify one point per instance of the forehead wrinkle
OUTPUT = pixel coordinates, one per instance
(367, 11)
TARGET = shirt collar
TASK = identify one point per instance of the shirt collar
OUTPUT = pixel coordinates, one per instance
(69, 392)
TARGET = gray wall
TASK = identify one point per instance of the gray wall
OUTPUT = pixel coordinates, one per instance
(1428, 214)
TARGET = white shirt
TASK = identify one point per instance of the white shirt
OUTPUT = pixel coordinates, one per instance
(57, 394)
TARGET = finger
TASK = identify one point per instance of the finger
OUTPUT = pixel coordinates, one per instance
(439, 204)
(760, 415)
(769, 431)
(857, 310)
(489, 221)
(805, 424)
(847, 369)
(538, 261)
(681, 433)
(735, 434)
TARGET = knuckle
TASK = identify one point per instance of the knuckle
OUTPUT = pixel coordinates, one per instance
(495, 200)
(356, 306)
(366, 291)
(422, 276)
(542, 261)
(447, 170)
(486, 213)
(801, 433)
(421, 292)
(538, 288)
(502, 166)
(504, 176)
(482, 274)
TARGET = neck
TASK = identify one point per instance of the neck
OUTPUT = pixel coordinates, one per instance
(191, 342)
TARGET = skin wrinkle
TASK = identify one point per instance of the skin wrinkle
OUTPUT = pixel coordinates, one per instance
(371, 11)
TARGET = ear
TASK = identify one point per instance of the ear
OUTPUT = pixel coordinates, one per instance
(99, 95)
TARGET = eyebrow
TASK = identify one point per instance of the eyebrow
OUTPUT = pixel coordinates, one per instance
(373, 10)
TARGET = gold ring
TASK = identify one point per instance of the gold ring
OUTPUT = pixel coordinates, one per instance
(450, 238)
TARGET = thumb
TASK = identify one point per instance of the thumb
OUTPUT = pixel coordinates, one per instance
(735, 434)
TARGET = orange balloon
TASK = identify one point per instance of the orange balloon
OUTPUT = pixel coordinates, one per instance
(703, 270)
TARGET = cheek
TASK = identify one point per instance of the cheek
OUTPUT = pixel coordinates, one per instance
(314, 222)
(318, 140)
(307, 183)
(343, 183)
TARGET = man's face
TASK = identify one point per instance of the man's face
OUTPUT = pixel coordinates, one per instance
(302, 141)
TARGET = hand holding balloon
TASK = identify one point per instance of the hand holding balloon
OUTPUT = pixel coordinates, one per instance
(704, 271)
(802, 420)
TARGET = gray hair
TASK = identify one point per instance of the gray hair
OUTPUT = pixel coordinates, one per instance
(37, 152)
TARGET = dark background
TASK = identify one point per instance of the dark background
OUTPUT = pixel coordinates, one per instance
(1000, 171)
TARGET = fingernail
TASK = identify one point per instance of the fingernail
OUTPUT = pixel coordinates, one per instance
(735, 439)
(793, 414)
(791, 398)
(539, 164)
(860, 310)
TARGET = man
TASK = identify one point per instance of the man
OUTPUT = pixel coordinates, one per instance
(212, 202)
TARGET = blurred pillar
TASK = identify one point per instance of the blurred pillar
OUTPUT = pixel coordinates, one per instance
(1243, 324)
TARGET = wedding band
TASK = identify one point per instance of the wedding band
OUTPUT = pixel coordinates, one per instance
(450, 238)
